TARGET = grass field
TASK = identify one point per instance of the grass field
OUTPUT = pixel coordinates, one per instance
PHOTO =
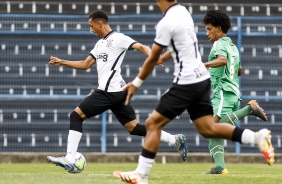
(180, 173)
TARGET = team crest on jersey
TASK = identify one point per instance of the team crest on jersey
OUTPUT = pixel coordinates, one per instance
(109, 43)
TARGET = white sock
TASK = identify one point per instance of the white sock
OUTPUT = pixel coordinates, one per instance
(248, 137)
(73, 141)
(144, 165)
(167, 137)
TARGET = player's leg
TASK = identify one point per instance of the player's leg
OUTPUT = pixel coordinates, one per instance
(252, 108)
(230, 103)
(216, 148)
(168, 108)
(75, 133)
(89, 107)
(154, 124)
(86, 109)
(203, 120)
(135, 128)
(262, 139)
(126, 116)
(178, 140)
(223, 103)
(74, 136)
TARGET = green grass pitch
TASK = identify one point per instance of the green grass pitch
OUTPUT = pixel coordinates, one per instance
(179, 173)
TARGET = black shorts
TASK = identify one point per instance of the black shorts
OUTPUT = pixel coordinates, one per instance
(100, 101)
(195, 98)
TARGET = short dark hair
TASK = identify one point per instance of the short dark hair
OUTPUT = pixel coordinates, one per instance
(218, 18)
(99, 14)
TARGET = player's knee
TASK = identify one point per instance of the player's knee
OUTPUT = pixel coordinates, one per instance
(152, 125)
(129, 126)
(76, 122)
(206, 132)
(139, 130)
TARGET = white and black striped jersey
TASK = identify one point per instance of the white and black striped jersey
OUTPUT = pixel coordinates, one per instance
(109, 53)
(176, 31)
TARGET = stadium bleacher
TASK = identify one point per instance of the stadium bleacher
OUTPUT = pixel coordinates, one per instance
(40, 123)
(272, 8)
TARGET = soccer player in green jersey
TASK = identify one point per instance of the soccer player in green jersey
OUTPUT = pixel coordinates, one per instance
(224, 66)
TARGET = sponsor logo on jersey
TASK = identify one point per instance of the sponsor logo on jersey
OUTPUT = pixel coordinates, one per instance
(103, 56)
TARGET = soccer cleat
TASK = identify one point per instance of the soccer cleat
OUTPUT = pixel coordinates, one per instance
(217, 170)
(132, 177)
(263, 142)
(180, 146)
(63, 162)
(257, 110)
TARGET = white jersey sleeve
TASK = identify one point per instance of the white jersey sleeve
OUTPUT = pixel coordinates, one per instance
(126, 42)
(163, 38)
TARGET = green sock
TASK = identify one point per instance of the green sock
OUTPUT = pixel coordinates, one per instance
(217, 152)
(234, 117)
(216, 146)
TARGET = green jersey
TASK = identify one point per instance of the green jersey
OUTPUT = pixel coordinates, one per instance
(225, 77)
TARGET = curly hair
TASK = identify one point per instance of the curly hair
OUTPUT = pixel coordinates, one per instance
(218, 18)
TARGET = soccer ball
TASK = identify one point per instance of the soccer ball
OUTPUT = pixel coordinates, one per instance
(80, 163)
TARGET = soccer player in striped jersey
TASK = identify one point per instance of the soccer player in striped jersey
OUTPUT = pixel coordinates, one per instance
(190, 91)
(224, 67)
(108, 54)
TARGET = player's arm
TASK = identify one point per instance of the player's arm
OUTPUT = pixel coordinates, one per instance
(164, 57)
(80, 65)
(145, 49)
(219, 61)
(142, 48)
(147, 68)
(150, 62)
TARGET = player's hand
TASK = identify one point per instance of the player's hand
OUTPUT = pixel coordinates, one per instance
(240, 71)
(160, 65)
(160, 62)
(55, 61)
(131, 90)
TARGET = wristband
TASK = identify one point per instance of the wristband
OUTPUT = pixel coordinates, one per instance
(137, 82)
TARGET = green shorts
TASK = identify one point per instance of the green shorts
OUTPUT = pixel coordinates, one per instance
(225, 102)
